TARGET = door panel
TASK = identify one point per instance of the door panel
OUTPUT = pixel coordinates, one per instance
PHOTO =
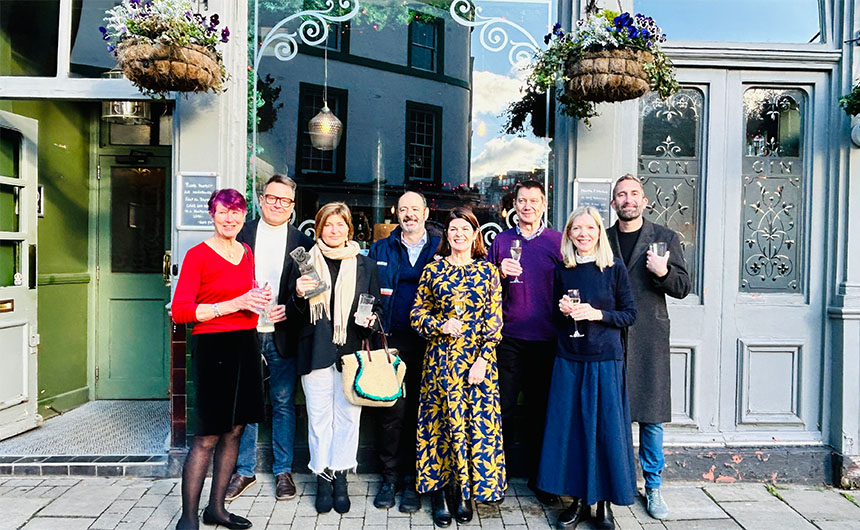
(19, 337)
(133, 324)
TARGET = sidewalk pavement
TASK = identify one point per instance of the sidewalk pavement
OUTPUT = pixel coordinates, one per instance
(78, 503)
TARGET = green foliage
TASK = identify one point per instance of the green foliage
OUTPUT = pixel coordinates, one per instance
(851, 101)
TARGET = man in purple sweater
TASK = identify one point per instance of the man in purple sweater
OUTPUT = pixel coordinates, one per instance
(527, 351)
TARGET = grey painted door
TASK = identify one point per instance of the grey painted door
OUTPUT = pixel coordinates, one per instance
(748, 193)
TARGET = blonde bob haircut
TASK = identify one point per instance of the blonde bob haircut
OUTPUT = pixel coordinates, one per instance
(602, 250)
(333, 208)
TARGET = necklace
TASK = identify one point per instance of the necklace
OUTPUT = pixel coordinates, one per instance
(230, 250)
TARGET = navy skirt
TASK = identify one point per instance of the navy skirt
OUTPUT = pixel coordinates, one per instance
(588, 446)
(228, 381)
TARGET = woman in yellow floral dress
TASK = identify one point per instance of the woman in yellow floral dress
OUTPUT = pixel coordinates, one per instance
(459, 452)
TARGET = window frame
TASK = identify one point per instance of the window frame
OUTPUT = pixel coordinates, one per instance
(436, 111)
(302, 138)
(438, 47)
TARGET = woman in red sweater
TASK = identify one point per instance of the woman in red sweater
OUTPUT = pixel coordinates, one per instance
(215, 293)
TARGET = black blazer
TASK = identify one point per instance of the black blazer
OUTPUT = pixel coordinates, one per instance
(315, 348)
(649, 378)
(285, 330)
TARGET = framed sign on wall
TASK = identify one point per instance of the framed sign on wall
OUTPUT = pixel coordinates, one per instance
(192, 205)
(597, 193)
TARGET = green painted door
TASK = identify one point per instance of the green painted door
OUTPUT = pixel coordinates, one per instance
(133, 236)
(19, 338)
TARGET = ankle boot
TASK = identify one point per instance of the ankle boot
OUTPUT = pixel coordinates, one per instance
(341, 495)
(441, 515)
(324, 494)
(577, 512)
(603, 516)
(462, 507)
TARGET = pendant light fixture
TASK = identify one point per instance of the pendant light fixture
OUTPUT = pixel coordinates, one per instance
(125, 112)
(325, 129)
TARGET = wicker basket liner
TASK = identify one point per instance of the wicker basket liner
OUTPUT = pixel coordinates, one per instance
(609, 75)
(159, 68)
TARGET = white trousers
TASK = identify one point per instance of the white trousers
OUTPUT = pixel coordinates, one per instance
(332, 422)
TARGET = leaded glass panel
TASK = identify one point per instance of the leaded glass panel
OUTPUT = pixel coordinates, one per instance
(670, 163)
(772, 195)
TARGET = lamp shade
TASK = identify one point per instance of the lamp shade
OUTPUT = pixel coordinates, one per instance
(325, 130)
(127, 112)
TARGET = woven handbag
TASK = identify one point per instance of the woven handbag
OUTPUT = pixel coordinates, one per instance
(373, 378)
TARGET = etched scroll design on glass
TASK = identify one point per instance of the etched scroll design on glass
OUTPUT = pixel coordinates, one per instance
(772, 193)
(670, 135)
(493, 34)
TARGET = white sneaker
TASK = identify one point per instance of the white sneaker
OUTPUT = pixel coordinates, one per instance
(656, 505)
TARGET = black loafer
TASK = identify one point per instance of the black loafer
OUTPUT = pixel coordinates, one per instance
(234, 522)
(441, 515)
(577, 512)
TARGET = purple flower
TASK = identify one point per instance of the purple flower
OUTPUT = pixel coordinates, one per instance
(213, 20)
(547, 38)
(134, 2)
(102, 29)
(188, 15)
(111, 49)
(225, 33)
(645, 34)
(632, 32)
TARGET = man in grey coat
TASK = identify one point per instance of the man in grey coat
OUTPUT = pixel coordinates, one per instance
(652, 277)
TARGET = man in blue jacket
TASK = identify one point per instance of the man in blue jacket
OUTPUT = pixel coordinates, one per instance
(400, 258)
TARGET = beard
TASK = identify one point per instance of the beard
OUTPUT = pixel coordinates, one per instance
(630, 213)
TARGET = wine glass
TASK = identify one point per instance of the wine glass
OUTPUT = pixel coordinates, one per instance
(516, 254)
(573, 296)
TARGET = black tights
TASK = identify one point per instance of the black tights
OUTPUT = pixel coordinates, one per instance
(225, 448)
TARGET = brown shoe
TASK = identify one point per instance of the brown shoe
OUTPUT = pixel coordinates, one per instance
(237, 486)
(285, 488)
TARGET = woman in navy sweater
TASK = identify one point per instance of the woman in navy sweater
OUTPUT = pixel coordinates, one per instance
(588, 450)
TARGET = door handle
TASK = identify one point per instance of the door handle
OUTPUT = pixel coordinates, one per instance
(165, 268)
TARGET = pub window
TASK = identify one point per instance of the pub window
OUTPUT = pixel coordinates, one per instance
(670, 167)
(29, 37)
(423, 142)
(312, 162)
(338, 37)
(425, 43)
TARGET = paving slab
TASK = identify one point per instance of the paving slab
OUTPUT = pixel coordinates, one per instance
(820, 504)
(690, 503)
(56, 523)
(738, 492)
(766, 516)
(16, 512)
(712, 524)
(84, 500)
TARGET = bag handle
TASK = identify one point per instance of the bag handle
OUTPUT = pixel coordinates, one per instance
(366, 344)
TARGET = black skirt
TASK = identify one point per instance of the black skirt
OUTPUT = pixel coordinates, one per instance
(228, 381)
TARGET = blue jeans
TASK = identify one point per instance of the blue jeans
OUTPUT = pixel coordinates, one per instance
(282, 390)
(651, 453)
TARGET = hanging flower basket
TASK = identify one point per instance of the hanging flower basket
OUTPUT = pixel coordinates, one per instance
(609, 75)
(164, 46)
(164, 68)
(607, 57)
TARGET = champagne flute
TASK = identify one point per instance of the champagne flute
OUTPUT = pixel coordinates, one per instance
(516, 255)
(573, 296)
(459, 306)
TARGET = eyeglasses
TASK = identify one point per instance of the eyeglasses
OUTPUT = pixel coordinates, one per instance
(272, 200)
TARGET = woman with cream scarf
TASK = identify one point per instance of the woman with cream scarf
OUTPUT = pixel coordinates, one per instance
(329, 330)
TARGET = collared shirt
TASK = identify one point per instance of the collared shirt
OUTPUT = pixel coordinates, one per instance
(414, 251)
(537, 233)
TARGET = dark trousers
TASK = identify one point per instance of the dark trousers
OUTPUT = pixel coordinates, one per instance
(526, 366)
(396, 426)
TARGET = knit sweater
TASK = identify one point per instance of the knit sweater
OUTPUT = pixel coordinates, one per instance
(610, 292)
(527, 306)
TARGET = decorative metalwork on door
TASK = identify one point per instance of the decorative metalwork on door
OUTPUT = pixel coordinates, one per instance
(772, 195)
(670, 158)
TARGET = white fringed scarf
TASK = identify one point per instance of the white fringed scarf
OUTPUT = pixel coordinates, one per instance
(344, 288)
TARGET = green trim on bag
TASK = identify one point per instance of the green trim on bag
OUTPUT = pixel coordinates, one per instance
(362, 393)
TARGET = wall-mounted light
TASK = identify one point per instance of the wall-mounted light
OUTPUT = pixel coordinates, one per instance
(125, 112)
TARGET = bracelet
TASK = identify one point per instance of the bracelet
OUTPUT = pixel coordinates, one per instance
(215, 308)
